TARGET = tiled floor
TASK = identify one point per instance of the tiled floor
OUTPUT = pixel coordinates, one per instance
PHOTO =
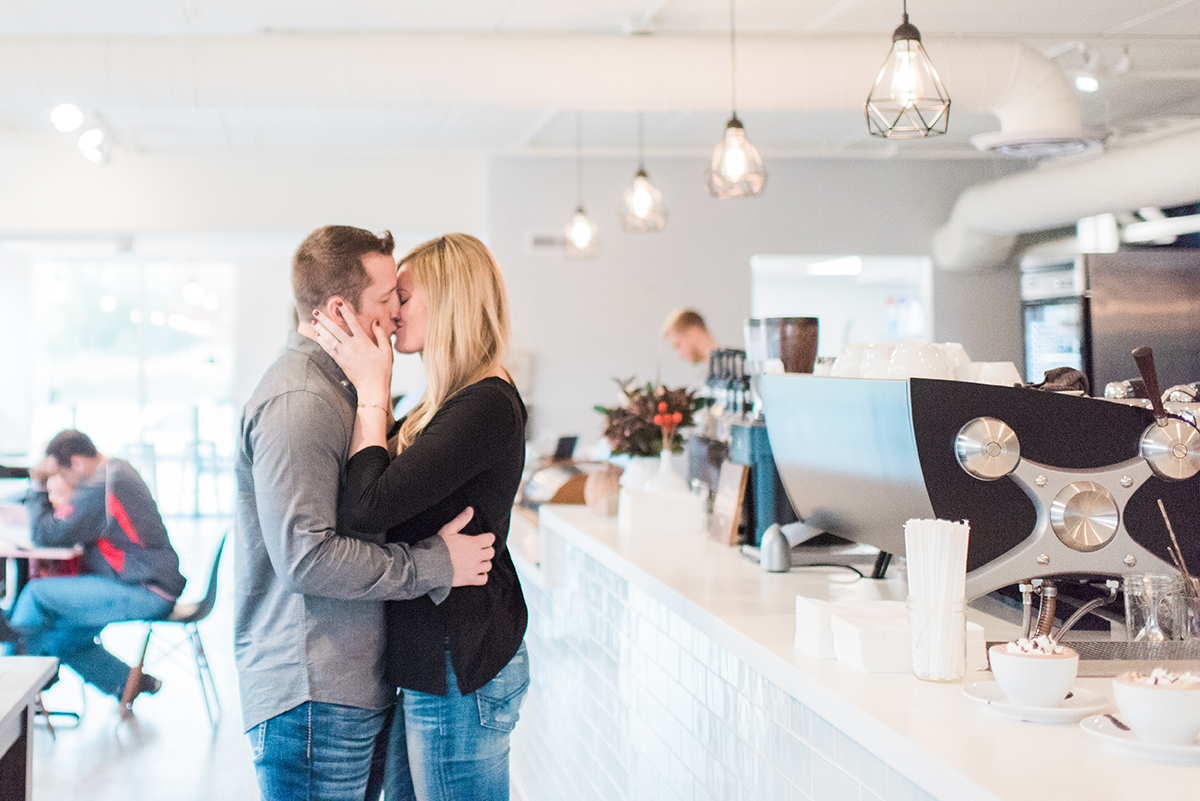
(168, 752)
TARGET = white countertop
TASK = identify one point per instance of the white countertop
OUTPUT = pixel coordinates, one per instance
(930, 732)
(21, 679)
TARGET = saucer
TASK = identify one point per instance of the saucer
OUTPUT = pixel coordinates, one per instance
(1128, 744)
(1078, 705)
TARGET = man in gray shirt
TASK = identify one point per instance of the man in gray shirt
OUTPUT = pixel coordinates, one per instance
(309, 619)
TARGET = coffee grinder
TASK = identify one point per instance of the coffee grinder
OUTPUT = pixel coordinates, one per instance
(773, 344)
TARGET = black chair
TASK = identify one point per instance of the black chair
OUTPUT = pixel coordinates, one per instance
(186, 615)
(47, 716)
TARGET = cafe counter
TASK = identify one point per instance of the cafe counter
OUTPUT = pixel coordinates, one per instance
(664, 667)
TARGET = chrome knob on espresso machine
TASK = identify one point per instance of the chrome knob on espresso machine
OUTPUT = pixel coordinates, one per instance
(987, 448)
(1083, 514)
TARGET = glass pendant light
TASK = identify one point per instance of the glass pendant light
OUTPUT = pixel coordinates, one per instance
(583, 241)
(644, 212)
(908, 100)
(736, 169)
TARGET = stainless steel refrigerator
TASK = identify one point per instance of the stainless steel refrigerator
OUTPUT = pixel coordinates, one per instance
(1089, 312)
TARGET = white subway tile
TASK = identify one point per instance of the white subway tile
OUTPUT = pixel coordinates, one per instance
(901, 789)
(831, 784)
(631, 701)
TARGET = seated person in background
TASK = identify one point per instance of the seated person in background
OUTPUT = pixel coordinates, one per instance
(59, 492)
(128, 570)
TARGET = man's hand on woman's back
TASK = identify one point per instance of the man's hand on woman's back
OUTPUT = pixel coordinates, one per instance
(471, 555)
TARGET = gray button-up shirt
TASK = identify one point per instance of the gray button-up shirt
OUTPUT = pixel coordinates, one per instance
(309, 597)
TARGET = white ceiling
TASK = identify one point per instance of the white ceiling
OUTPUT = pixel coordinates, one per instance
(1159, 87)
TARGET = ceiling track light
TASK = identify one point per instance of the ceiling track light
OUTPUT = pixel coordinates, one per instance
(908, 100)
(1087, 80)
(643, 212)
(736, 169)
(96, 145)
(67, 117)
(583, 240)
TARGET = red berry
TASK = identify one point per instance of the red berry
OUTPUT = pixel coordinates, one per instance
(662, 406)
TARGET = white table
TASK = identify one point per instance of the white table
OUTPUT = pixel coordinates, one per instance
(15, 544)
(21, 679)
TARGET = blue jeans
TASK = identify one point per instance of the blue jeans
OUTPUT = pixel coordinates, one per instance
(63, 616)
(457, 745)
(317, 751)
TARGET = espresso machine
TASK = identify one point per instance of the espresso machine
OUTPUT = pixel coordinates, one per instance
(1052, 484)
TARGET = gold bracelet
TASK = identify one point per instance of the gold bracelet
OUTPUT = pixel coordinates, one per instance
(368, 405)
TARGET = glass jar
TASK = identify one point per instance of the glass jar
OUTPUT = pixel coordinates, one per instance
(939, 639)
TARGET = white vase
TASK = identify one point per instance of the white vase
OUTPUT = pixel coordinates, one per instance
(666, 479)
(639, 470)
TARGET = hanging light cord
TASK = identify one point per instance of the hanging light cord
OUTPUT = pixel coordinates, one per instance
(733, 62)
(905, 12)
(641, 144)
(579, 159)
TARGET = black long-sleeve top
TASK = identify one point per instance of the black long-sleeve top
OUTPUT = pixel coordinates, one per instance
(472, 454)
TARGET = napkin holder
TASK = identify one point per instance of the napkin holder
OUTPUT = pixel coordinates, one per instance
(660, 512)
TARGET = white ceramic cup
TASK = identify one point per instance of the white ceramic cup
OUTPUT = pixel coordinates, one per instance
(823, 365)
(848, 363)
(876, 357)
(1165, 714)
(918, 358)
(1036, 680)
(1003, 374)
(960, 362)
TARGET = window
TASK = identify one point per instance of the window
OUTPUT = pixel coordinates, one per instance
(139, 354)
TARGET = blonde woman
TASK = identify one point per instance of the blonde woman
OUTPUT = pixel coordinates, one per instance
(459, 658)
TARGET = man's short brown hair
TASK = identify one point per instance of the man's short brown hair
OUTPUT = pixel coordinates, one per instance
(70, 443)
(329, 262)
(680, 320)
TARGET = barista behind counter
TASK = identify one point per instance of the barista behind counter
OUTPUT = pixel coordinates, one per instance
(688, 334)
(689, 337)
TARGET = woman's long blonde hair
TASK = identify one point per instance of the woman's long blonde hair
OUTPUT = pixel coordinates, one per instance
(468, 317)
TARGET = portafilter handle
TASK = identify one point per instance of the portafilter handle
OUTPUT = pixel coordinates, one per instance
(1144, 357)
(1171, 445)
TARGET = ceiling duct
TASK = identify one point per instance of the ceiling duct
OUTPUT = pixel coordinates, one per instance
(987, 218)
(1028, 93)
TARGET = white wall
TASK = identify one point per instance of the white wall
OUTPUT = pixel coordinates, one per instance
(852, 308)
(983, 312)
(588, 322)
(51, 188)
(16, 355)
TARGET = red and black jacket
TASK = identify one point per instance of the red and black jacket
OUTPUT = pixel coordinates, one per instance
(115, 519)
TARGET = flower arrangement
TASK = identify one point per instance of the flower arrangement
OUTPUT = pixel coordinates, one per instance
(646, 424)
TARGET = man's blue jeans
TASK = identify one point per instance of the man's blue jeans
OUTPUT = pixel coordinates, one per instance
(455, 747)
(63, 616)
(317, 751)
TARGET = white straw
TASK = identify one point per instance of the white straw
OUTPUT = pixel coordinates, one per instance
(936, 552)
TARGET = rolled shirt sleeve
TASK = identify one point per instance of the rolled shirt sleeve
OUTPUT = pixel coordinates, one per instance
(298, 445)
